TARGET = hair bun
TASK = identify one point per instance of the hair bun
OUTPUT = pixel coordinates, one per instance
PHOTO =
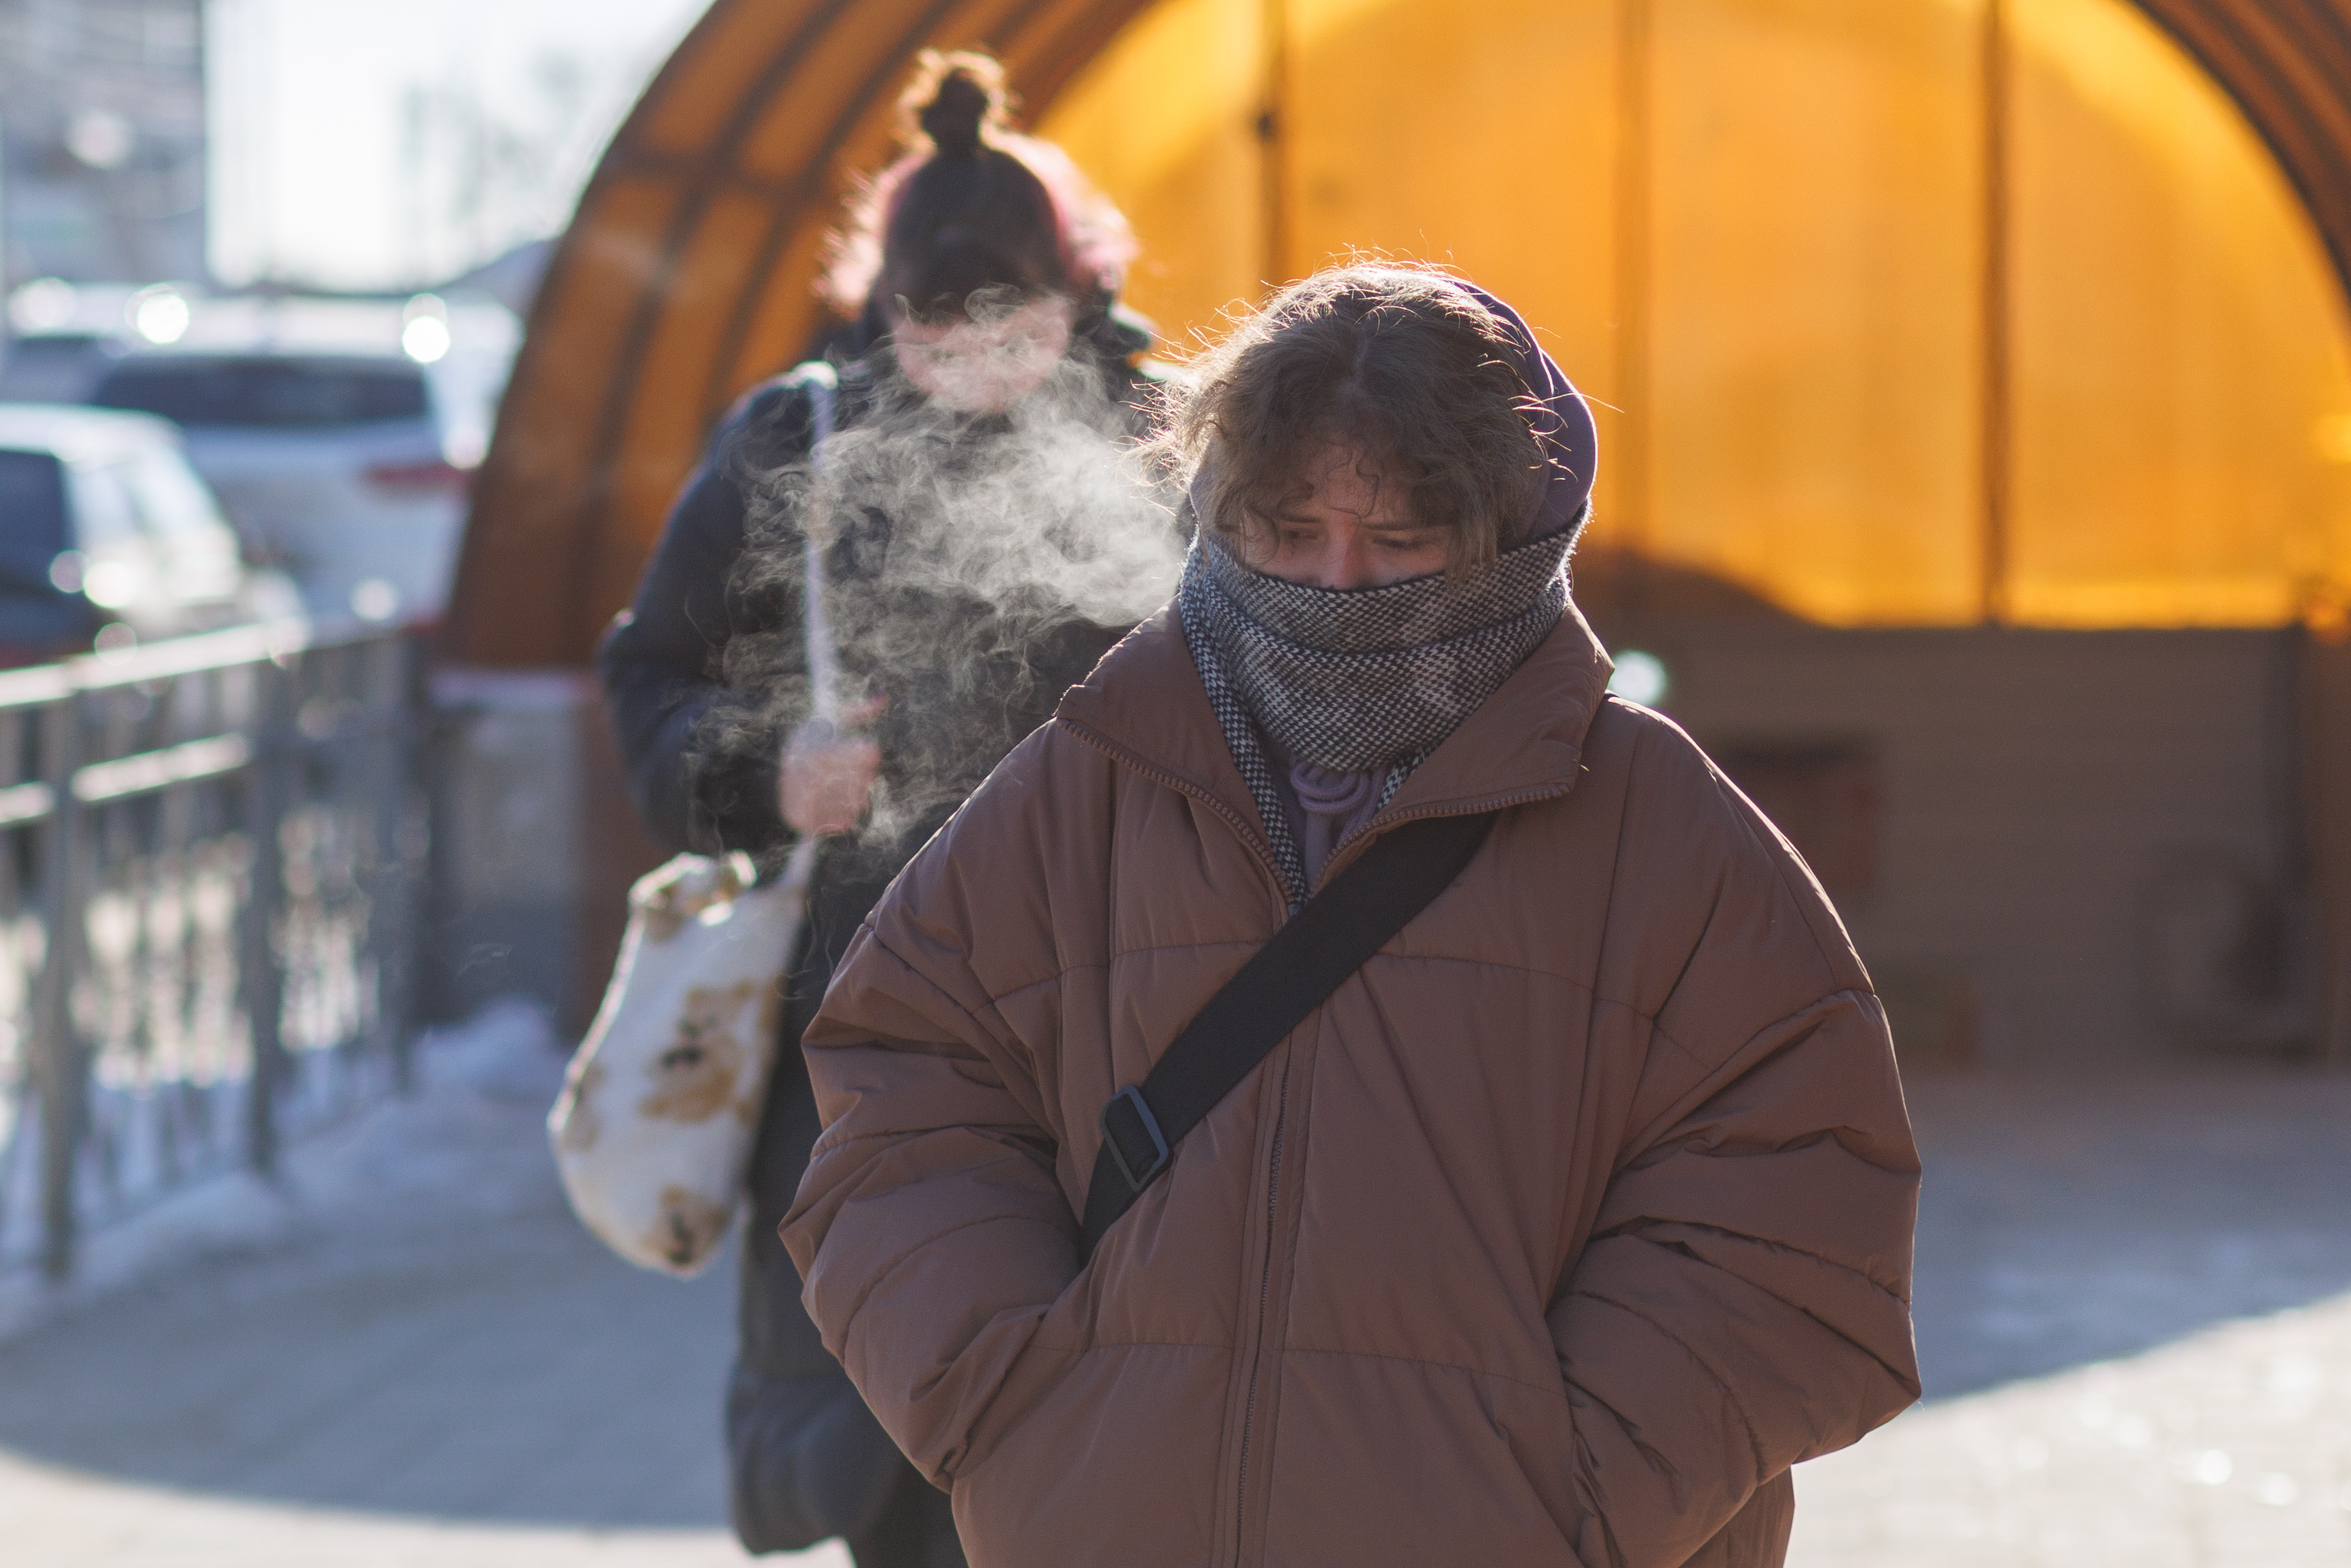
(960, 107)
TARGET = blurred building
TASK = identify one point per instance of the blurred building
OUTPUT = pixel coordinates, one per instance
(101, 140)
(1975, 392)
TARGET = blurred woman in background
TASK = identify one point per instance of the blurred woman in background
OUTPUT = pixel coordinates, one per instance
(987, 364)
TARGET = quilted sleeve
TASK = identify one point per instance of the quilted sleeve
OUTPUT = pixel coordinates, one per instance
(930, 1229)
(1742, 1302)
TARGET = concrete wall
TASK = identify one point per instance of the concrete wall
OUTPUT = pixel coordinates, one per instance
(2085, 847)
(506, 837)
(534, 846)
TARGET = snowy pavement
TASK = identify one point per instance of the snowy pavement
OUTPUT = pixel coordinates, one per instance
(2134, 1313)
(409, 1355)
(2135, 1316)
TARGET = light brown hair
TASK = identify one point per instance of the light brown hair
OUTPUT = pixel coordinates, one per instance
(1396, 363)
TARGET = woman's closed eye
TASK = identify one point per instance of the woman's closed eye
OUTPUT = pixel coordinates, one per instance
(1405, 539)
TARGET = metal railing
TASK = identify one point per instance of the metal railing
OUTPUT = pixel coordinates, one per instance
(208, 853)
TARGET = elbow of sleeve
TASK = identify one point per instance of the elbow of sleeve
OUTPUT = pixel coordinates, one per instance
(933, 1294)
(1733, 1344)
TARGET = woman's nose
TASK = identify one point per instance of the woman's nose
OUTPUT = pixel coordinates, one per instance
(1349, 562)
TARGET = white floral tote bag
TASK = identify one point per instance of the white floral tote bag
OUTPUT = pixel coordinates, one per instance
(653, 1129)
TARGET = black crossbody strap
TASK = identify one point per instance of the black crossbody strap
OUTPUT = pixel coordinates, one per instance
(1335, 935)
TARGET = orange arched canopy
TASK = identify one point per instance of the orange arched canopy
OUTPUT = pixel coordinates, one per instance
(685, 276)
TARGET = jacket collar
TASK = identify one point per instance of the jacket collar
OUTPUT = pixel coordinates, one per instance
(1144, 706)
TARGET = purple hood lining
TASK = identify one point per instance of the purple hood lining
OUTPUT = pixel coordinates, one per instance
(1562, 421)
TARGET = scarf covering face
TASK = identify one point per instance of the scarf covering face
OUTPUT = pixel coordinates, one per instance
(1360, 680)
(1371, 680)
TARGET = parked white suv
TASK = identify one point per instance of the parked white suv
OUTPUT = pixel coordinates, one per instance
(340, 435)
(106, 535)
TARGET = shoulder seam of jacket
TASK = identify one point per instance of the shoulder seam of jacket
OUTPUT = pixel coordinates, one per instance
(1822, 1001)
(1773, 845)
(1715, 778)
(874, 933)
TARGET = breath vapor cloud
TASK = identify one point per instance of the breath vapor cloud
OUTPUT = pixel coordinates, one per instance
(977, 563)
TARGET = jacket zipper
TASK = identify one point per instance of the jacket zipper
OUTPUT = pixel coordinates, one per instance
(1264, 1295)
(1344, 852)
(1264, 854)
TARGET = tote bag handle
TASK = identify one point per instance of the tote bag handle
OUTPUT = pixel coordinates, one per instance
(823, 656)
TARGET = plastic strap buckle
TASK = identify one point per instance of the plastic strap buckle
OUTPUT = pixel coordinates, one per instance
(1127, 1123)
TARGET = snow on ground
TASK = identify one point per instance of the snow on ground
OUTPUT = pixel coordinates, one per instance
(403, 1353)
(2229, 1449)
(447, 1142)
(2134, 1318)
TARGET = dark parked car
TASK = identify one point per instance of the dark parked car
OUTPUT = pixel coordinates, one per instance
(108, 537)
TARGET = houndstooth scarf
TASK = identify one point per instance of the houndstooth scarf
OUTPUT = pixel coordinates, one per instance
(1357, 679)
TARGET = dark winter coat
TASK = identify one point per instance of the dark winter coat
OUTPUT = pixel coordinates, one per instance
(806, 1459)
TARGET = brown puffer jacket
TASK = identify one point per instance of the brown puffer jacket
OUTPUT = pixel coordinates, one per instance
(1557, 1235)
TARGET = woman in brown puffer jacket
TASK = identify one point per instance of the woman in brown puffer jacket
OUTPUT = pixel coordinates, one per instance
(1557, 1234)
